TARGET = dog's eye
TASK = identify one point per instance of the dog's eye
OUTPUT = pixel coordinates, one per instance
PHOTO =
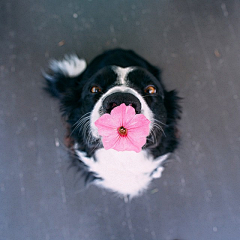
(150, 90)
(95, 89)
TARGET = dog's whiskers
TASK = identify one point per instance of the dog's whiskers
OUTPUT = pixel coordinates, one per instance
(156, 127)
(159, 128)
(88, 113)
(86, 129)
(160, 122)
(85, 119)
(153, 136)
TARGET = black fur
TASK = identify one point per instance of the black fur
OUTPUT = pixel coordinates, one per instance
(76, 100)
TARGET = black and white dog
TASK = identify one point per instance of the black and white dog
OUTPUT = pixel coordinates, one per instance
(116, 76)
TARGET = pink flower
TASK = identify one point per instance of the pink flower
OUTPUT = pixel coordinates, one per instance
(122, 129)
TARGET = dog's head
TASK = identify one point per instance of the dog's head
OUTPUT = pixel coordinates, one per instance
(134, 86)
(93, 91)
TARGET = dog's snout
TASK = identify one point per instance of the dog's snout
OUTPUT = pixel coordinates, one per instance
(118, 98)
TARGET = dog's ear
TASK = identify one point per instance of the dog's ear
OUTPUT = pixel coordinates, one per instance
(63, 74)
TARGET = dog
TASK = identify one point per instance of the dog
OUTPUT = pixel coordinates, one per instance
(117, 76)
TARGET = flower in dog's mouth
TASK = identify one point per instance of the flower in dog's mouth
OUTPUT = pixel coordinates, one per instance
(123, 129)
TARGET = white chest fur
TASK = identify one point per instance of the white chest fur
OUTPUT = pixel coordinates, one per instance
(126, 173)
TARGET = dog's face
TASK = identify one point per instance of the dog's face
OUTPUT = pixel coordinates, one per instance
(86, 93)
(134, 86)
(115, 77)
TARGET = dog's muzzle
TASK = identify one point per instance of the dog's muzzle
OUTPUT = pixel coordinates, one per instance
(116, 99)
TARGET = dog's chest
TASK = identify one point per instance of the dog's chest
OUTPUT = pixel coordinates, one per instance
(126, 173)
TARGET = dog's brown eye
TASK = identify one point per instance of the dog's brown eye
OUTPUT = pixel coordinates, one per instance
(95, 89)
(150, 90)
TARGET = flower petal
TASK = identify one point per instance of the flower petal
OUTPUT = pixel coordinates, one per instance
(123, 114)
(110, 141)
(139, 122)
(137, 142)
(106, 120)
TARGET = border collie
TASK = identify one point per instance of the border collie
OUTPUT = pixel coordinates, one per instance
(82, 91)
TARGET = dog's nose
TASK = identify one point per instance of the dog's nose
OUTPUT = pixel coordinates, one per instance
(118, 98)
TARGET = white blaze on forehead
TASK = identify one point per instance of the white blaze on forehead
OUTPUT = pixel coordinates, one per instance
(122, 74)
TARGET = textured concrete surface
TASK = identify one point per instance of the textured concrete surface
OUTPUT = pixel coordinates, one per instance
(196, 43)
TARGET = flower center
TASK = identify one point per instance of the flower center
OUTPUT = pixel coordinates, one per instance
(122, 131)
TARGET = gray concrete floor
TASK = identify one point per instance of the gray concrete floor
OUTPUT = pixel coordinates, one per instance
(197, 44)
